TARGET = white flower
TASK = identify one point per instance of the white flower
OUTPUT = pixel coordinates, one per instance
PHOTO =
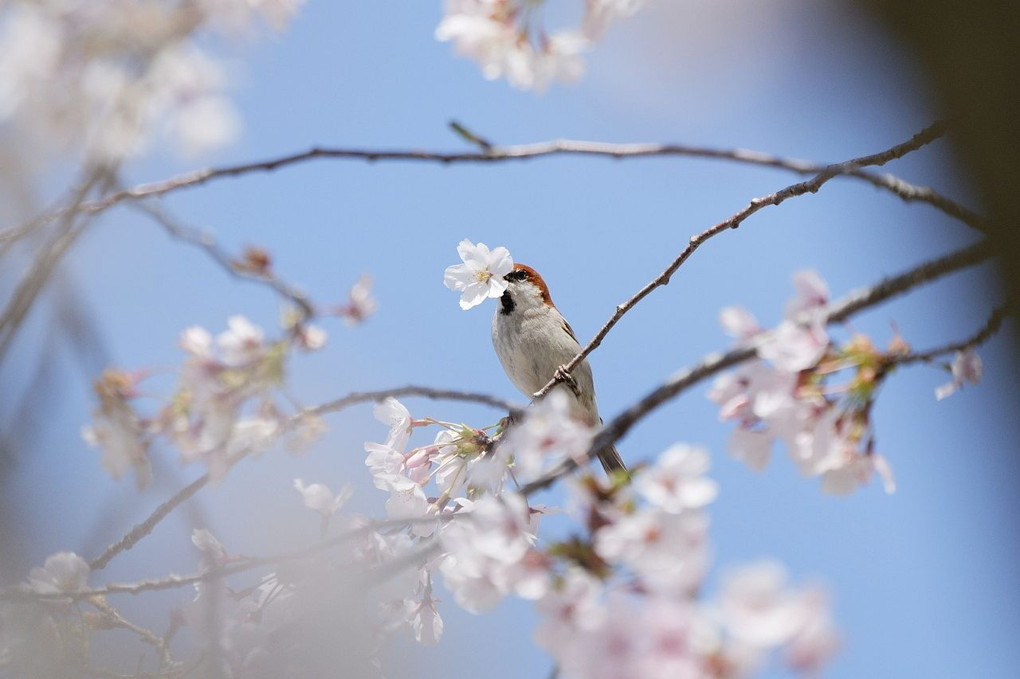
(739, 323)
(677, 481)
(311, 337)
(481, 274)
(62, 573)
(667, 551)
(360, 304)
(241, 343)
(214, 554)
(571, 607)
(793, 346)
(321, 499)
(812, 293)
(387, 467)
(484, 542)
(548, 434)
(393, 413)
(757, 608)
(197, 341)
(410, 504)
(559, 59)
(426, 624)
(751, 446)
(966, 368)
(119, 435)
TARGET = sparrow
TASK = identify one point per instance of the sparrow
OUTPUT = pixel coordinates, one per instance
(532, 340)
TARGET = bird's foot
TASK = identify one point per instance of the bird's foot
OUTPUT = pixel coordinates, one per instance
(564, 377)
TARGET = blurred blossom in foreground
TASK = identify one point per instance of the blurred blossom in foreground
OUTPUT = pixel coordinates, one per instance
(508, 39)
(103, 76)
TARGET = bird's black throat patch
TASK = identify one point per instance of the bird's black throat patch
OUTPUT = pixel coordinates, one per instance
(508, 303)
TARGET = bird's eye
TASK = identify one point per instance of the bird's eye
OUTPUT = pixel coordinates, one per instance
(516, 275)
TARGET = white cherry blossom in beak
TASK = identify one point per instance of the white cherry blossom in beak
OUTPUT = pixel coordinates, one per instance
(481, 274)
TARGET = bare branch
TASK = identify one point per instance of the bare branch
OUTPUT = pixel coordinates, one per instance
(491, 154)
(357, 397)
(206, 242)
(838, 312)
(991, 326)
(46, 260)
(145, 527)
(810, 186)
(247, 564)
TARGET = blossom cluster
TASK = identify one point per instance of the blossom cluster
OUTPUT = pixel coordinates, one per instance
(508, 38)
(792, 392)
(105, 75)
(222, 410)
(621, 597)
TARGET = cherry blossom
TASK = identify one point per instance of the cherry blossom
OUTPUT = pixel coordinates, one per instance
(360, 304)
(507, 38)
(676, 482)
(966, 368)
(241, 343)
(482, 544)
(106, 76)
(320, 498)
(117, 430)
(62, 573)
(481, 274)
(393, 413)
(667, 551)
(547, 435)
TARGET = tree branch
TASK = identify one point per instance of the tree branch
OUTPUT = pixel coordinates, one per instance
(207, 243)
(491, 154)
(991, 326)
(178, 581)
(146, 527)
(357, 397)
(838, 312)
(810, 186)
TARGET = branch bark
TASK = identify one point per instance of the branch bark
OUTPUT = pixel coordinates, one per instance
(812, 185)
(712, 364)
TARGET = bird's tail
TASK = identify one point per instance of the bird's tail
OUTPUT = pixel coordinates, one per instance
(611, 460)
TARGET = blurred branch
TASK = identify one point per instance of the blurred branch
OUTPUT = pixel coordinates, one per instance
(46, 259)
(242, 565)
(812, 185)
(142, 529)
(207, 243)
(991, 326)
(410, 390)
(837, 312)
(132, 537)
(493, 154)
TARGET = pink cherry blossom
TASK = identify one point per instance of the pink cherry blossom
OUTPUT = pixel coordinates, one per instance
(966, 368)
(676, 482)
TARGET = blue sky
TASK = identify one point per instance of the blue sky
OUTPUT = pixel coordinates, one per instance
(923, 581)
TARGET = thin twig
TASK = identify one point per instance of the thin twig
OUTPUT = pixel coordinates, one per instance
(178, 581)
(146, 527)
(410, 390)
(208, 244)
(498, 154)
(812, 185)
(715, 363)
(991, 326)
(45, 261)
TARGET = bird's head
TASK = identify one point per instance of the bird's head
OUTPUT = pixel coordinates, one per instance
(525, 289)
